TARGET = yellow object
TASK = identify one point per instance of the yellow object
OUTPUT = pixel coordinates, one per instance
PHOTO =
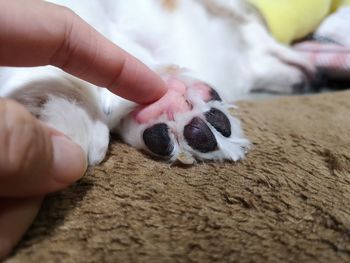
(290, 20)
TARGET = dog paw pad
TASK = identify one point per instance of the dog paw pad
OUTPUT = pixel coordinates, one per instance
(157, 139)
(199, 136)
(219, 121)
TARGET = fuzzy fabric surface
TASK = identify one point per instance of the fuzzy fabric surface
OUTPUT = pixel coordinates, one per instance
(288, 201)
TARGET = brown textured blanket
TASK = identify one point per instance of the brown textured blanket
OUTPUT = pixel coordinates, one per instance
(288, 201)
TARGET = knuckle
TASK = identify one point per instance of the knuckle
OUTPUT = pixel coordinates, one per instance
(65, 47)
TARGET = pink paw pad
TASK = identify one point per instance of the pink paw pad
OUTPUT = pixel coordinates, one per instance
(174, 101)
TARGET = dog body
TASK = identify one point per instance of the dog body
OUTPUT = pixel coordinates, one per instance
(197, 45)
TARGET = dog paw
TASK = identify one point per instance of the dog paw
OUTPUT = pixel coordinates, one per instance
(75, 122)
(190, 122)
(281, 70)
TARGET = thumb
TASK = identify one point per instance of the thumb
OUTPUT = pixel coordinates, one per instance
(34, 159)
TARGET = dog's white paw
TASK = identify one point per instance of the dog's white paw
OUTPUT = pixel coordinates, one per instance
(75, 122)
(190, 122)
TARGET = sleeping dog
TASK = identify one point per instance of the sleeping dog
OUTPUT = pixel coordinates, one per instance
(209, 52)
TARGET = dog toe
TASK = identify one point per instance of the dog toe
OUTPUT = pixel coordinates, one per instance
(214, 95)
(157, 139)
(219, 121)
(199, 136)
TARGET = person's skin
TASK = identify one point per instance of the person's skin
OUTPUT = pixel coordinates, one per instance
(35, 159)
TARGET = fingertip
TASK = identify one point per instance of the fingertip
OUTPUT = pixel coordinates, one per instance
(69, 161)
(138, 83)
(37, 159)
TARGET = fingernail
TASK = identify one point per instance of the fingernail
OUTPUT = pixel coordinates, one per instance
(69, 160)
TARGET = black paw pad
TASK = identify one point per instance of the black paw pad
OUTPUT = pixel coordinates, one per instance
(199, 136)
(219, 121)
(157, 139)
(214, 95)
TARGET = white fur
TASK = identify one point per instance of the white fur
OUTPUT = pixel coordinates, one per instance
(232, 51)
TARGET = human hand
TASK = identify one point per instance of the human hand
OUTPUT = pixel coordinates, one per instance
(35, 159)
(36, 33)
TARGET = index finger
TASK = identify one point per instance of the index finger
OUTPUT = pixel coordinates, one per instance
(34, 33)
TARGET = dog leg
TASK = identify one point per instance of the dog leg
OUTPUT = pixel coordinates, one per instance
(69, 105)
